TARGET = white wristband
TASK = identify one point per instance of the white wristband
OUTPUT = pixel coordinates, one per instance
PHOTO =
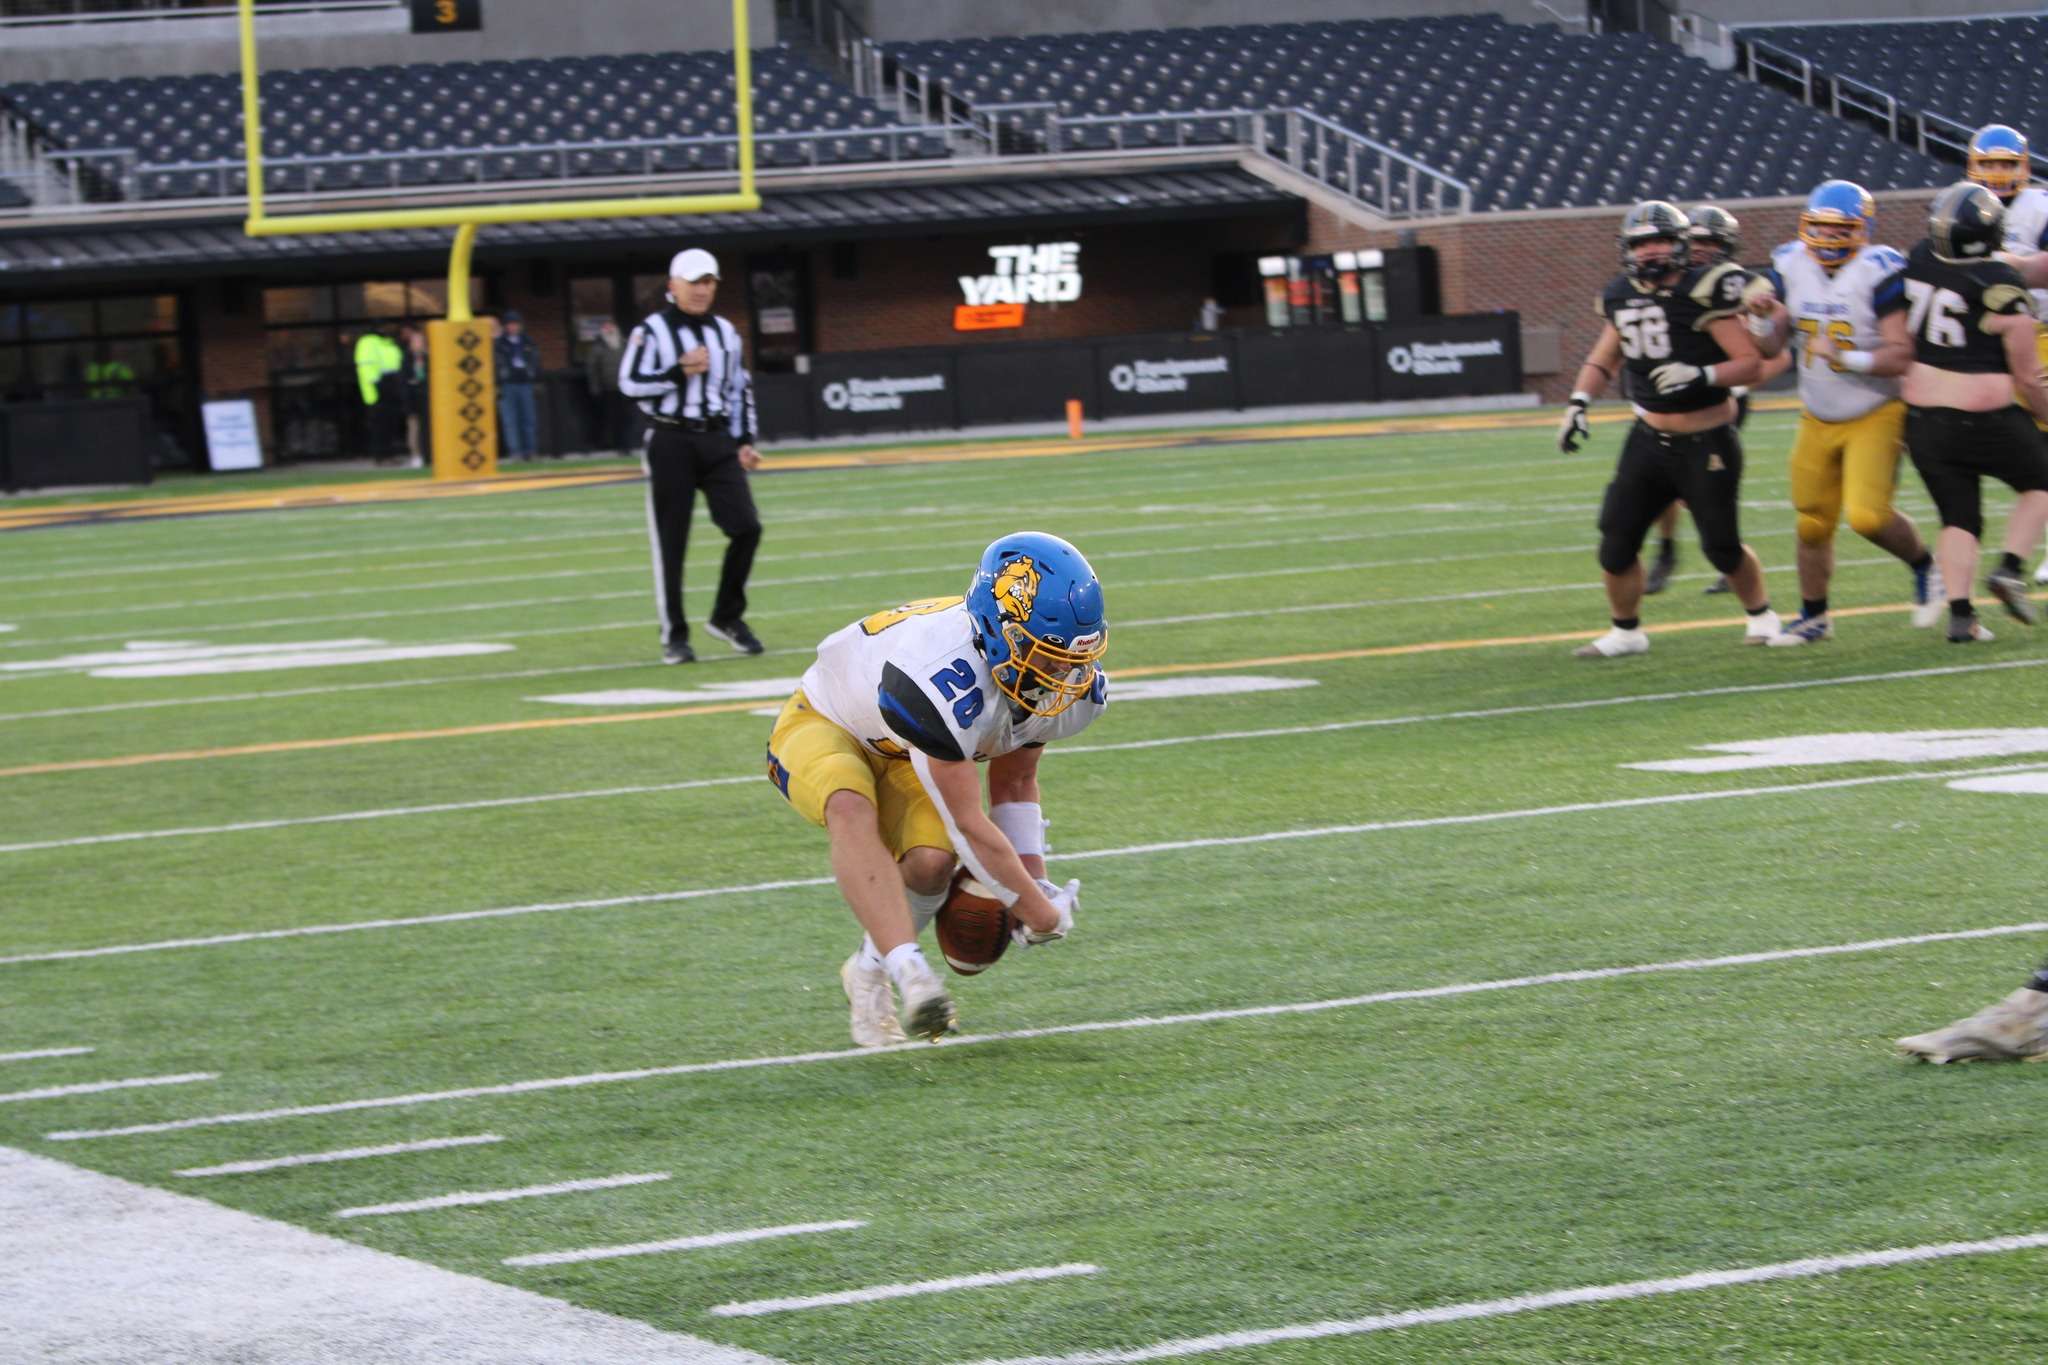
(1707, 376)
(1582, 398)
(1023, 824)
(1760, 326)
(1859, 362)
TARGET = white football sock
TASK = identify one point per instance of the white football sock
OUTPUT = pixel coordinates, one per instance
(904, 961)
(923, 909)
(870, 956)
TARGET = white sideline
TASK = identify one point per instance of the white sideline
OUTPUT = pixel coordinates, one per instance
(34, 1053)
(278, 1163)
(754, 1308)
(465, 1198)
(100, 1271)
(710, 1239)
(1525, 1303)
(1061, 1030)
(52, 1092)
(1273, 732)
(1130, 850)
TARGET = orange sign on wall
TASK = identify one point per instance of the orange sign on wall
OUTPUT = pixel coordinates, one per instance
(969, 318)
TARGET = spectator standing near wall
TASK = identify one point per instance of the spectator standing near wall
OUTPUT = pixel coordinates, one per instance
(378, 363)
(518, 370)
(601, 360)
(684, 367)
(413, 387)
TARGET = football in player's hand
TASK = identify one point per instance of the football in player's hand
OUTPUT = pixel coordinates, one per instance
(973, 926)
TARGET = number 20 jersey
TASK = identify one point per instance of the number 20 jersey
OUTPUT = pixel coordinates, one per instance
(1658, 326)
(911, 677)
(1845, 303)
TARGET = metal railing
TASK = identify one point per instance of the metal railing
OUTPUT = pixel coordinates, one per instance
(1927, 132)
(841, 36)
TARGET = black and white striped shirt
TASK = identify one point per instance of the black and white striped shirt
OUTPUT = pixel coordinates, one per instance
(723, 393)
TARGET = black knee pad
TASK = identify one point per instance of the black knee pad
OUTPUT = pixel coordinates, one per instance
(1617, 552)
(1725, 556)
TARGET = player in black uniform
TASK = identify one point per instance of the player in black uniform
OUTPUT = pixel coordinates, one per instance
(1971, 322)
(1716, 236)
(1677, 330)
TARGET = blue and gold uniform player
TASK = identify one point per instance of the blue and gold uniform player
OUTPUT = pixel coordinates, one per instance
(1832, 292)
(881, 744)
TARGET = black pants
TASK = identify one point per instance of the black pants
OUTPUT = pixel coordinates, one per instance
(1654, 470)
(1956, 450)
(678, 464)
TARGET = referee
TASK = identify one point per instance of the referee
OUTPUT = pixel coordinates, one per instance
(684, 367)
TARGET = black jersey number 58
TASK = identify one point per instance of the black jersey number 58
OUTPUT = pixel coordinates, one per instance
(1645, 332)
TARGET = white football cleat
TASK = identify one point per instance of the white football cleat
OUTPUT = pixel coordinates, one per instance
(1615, 643)
(1807, 630)
(2041, 574)
(928, 1011)
(1763, 628)
(2015, 1029)
(1930, 595)
(874, 1009)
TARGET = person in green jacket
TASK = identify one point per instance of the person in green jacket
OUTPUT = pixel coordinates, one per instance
(379, 362)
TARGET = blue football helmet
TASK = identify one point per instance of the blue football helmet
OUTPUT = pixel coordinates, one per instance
(1038, 620)
(1998, 160)
(1835, 205)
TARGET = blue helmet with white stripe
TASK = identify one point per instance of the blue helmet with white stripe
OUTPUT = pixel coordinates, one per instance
(1837, 221)
(1998, 160)
(1038, 620)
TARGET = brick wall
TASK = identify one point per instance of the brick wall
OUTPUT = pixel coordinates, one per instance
(1550, 267)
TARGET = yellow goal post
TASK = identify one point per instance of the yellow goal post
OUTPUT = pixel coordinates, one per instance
(462, 391)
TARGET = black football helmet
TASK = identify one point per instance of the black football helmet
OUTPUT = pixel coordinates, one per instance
(1714, 226)
(1966, 223)
(1654, 220)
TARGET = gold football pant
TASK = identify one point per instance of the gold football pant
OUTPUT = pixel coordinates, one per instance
(1853, 464)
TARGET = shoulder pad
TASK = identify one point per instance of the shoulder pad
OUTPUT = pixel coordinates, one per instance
(1885, 258)
(2006, 297)
(908, 711)
(1720, 285)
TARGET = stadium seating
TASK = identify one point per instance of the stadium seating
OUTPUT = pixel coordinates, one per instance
(1975, 71)
(475, 120)
(1530, 117)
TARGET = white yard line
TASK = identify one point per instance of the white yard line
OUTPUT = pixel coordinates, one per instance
(34, 1053)
(344, 817)
(1527, 1303)
(1062, 1030)
(711, 1239)
(278, 1163)
(467, 1198)
(1126, 851)
(98, 1269)
(754, 1308)
(1169, 741)
(358, 926)
(55, 1092)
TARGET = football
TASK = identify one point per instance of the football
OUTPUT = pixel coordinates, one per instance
(973, 926)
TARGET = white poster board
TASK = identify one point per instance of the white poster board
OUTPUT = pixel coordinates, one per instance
(231, 438)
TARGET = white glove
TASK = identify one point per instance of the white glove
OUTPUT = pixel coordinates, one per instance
(1573, 429)
(1675, 375)
(1065, 899)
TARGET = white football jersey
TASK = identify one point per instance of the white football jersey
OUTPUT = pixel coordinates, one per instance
(2026, 232)
(1843, 301)
(911, 676)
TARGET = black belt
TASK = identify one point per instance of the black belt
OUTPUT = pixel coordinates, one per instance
(690, 423)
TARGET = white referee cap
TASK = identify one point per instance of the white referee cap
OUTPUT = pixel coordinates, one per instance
(693, 264)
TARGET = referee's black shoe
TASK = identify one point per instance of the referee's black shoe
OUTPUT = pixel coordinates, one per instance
(678, 653)
(736, 634)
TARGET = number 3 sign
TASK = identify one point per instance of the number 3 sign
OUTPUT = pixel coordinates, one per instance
(447, 16)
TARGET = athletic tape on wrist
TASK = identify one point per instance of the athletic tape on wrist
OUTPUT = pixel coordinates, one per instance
(1023, 824)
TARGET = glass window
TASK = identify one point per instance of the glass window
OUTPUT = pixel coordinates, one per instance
(59, 321)
(299, 305)
(301, 348)
(148, 361)
(60, 369)
(374, 299)
(12, 361)
(10, 322)
(146, 314)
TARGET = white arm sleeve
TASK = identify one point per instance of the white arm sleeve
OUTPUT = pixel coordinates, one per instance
(922, 766)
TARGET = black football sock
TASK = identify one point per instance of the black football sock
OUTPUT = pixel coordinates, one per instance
(2010, 563)
(1667, 548)
(1758, 611)
(1626, 622)
(1813, 606)
(1959, 608)
(1923, 563)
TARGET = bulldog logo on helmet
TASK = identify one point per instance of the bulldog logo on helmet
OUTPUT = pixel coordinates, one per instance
(1016, 588)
